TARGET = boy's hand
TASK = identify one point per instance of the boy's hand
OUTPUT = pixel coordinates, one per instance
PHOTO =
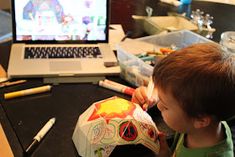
(140, 97)
(164, 148)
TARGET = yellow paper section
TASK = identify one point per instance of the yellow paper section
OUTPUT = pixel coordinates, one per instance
(5, 149)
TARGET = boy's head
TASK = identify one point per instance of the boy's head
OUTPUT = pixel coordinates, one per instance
(201, 78)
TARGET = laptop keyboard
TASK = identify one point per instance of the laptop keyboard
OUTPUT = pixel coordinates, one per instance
(62, 52)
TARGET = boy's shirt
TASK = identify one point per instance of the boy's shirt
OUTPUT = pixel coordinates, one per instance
(222, 149)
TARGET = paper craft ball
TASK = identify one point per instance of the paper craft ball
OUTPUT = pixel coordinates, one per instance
(111, 122)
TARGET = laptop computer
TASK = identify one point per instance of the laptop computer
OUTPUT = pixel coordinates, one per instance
(61, 38)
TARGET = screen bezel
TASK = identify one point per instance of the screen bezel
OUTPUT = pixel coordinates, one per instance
(60, 41)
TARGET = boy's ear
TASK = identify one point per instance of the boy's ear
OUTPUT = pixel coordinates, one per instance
(202, 121)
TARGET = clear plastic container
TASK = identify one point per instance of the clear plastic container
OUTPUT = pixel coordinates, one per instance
(136, 71)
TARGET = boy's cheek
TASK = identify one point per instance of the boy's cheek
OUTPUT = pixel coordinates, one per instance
(159, 107)
(155, 94)
(162, 109)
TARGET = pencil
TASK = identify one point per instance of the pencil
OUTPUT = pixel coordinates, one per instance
(5, 84)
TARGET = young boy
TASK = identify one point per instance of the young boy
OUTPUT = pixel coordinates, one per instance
(196, 90)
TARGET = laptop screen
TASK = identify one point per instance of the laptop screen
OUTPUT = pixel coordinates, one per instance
(84, 21)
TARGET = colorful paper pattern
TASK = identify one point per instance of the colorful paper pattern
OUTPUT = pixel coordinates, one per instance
(111, 122)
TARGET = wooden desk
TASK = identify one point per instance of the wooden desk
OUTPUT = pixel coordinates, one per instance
(22, 118)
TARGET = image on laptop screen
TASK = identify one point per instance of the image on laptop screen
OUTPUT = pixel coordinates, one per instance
(61, 20)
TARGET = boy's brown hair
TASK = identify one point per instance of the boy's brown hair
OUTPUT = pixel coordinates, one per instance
(201, 78)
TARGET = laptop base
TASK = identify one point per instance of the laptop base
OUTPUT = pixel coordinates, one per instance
(68, 79)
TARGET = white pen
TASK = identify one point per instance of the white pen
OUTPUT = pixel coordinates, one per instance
(149, 92)
(41, 134)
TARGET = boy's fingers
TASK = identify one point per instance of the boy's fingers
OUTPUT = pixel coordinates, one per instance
(164, 148)
(162, 139)
(142, 95)
(139, 96)
(151, 102)
(136, 99)
(145, 107)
